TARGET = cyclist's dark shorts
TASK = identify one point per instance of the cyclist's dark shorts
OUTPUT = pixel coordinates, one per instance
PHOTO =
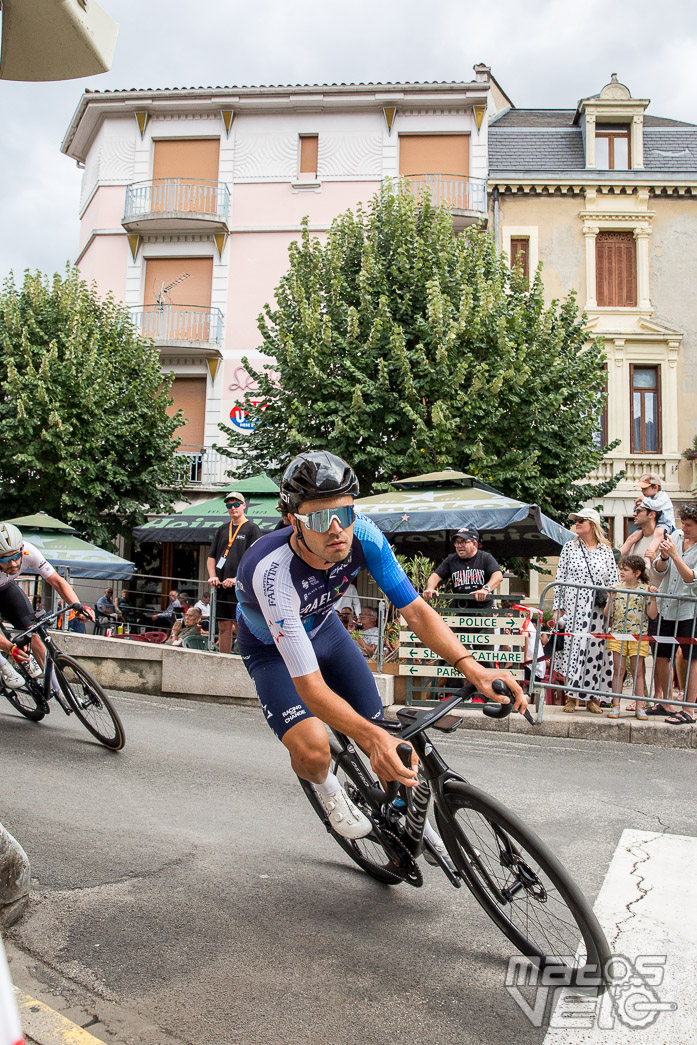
(15, 606)
(680, 629)
(343, 668)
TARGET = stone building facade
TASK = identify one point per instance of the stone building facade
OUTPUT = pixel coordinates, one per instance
(605, 196)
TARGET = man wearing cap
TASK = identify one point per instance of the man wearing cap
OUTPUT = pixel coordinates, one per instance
(472, 572)
(657, 500)
(229, 545)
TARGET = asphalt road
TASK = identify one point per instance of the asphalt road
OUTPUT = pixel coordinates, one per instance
(185, 891)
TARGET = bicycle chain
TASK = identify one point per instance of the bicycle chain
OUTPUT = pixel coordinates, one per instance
(407, 869)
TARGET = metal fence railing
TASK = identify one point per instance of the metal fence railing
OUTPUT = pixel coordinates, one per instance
(190, 324)
(616, 645)
(185, 197)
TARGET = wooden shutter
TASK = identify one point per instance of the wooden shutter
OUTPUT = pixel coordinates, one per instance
(189, 395)
(615, 267)
(520, 254)
(185, 175)
(309, 147)
(434, 154)
(195, 290)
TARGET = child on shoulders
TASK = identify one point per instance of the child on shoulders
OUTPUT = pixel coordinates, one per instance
(657, 500)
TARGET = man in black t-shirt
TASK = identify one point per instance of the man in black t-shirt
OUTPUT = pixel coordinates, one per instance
(473, 573)
(229, 545)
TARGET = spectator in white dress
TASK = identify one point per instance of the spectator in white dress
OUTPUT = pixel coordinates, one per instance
(583, 661)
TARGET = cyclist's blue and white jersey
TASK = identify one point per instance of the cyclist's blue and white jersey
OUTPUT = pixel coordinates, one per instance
(284, 601)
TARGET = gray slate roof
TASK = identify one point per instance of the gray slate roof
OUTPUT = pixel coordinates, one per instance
(540, 140)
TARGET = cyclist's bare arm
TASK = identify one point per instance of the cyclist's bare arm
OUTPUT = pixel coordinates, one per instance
(435, 633)
(380, 747)
(67, 593)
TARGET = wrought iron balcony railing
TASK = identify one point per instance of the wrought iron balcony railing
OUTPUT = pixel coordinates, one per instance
(203, 466)
(177, 197)
(461, 194)
(172, 324)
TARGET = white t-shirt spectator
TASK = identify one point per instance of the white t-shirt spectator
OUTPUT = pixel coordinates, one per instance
(349, 600)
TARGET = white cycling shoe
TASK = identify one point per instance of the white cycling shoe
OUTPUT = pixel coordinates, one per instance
(344, 817)
(11, 678)
(439, 846)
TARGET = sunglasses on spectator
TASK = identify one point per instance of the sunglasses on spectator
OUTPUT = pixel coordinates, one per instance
(637, 510)
(10, 558)
(234, 504)
(320, 522)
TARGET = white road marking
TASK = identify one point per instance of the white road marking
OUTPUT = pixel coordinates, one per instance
(647, 908)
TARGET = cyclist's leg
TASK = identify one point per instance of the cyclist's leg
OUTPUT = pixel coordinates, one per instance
(286, 714)
(16, 607)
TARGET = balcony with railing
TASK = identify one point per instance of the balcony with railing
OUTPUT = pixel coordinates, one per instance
(177, 204)
(203, 467)
(181, 326)
(466, 197)
(636, 465)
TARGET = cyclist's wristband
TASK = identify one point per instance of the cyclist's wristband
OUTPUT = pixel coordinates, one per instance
(466, 656)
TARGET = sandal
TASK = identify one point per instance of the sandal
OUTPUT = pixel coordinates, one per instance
(657, 709)
(680, 718)
(630, 707)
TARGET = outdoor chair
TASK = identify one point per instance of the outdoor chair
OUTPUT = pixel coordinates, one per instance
(199, 642)
(150, 636)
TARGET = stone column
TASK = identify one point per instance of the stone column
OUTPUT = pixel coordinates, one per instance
(590, 232)
(641, 235)
(15, 879)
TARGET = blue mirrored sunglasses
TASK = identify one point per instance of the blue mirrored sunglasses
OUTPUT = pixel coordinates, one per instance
(10, 558)
(320, 522)
(233, 504)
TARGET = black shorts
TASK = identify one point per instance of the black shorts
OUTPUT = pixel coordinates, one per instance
(680, 629)
(15, 607)
(225, 604)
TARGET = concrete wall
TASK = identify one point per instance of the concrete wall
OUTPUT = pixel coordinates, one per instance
(169, 671)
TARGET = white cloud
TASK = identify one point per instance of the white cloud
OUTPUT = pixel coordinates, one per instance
(544, 54)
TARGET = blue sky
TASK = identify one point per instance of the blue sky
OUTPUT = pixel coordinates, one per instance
(547, 53)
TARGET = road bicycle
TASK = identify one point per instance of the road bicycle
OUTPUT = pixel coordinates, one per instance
(512, 874)
(65, 679)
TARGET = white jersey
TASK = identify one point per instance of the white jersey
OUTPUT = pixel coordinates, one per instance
(32, 561)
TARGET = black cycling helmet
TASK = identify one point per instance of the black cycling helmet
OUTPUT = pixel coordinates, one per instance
(316, 474)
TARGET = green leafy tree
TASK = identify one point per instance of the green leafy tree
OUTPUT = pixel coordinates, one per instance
(84, 429)
(406, 349)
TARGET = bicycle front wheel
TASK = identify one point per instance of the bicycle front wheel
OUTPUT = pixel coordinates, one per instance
(367, 852)
(89, 702)
(28, 700)
(523, 887)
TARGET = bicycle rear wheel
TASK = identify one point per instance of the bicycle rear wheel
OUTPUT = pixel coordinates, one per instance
(524, 888)
(367, 852)
(28, 700)
(89, 702)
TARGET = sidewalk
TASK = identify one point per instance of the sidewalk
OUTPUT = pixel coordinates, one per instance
(582, 725)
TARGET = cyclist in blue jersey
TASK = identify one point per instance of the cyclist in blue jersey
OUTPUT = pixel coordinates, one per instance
(306, 668)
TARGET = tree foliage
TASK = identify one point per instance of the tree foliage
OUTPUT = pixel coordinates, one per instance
(406, 349)
(84, 429)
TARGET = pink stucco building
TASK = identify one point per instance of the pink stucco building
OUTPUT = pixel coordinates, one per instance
(190, 198)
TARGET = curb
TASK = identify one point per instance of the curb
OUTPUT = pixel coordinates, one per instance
(581, 725)
(44, 1026)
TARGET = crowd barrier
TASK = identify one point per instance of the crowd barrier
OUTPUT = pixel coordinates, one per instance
(608, 651)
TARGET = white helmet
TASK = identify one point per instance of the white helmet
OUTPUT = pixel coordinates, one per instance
(11, 539)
